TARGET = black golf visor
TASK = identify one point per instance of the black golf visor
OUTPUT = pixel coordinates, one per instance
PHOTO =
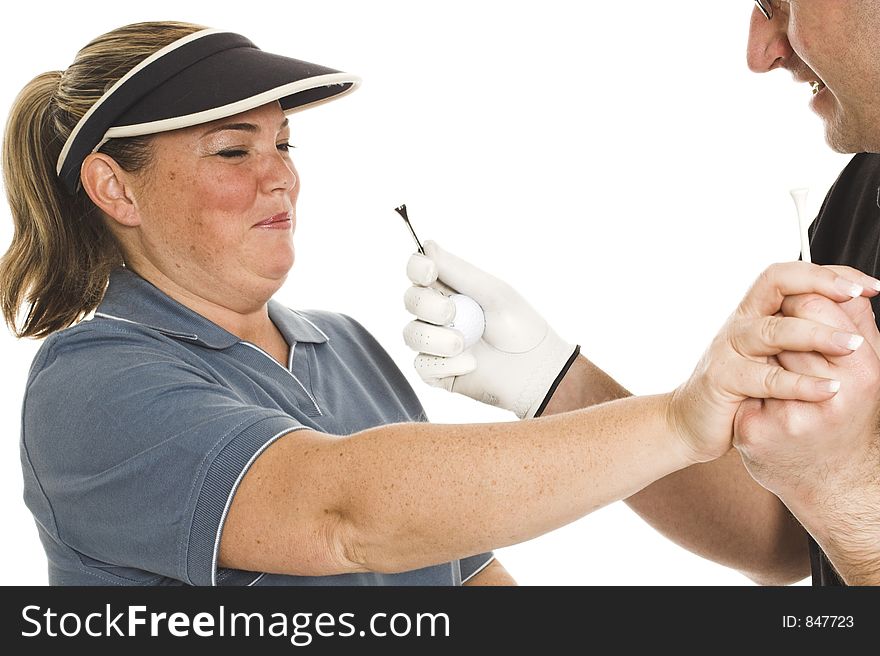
(205, 76)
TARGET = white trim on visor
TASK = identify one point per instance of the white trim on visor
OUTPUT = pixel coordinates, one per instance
(174, 45)
(197, 118)
(177, 122)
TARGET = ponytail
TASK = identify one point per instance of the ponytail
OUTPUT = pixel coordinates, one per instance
(62, 252)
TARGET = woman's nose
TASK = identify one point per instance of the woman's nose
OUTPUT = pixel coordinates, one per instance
(280, 174)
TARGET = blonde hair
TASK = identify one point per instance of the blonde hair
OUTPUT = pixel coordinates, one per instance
(62, 252)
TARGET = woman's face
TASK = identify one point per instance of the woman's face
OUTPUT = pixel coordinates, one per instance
(217, 209)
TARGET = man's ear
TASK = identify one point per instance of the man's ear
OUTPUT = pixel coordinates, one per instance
(110, 188)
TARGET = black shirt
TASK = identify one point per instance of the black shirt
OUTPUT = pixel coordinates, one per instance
(847, 231)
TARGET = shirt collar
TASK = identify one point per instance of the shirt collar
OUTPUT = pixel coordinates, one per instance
(131, 298)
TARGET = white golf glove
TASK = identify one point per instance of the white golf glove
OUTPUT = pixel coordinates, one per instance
(519, 360)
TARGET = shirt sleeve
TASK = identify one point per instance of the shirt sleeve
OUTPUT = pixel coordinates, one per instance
(473, 565)
(139, 451)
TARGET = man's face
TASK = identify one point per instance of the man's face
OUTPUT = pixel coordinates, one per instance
(832, 46)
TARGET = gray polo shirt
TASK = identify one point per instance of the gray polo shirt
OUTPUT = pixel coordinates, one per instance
(138, 425)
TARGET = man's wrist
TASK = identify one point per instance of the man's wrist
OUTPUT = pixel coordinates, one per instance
(845, 522)
(853, 547)
(583, 385)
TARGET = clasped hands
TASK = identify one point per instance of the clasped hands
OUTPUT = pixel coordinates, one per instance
(822, 459)
(815, 454)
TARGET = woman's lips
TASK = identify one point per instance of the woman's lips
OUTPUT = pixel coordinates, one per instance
(281, 221)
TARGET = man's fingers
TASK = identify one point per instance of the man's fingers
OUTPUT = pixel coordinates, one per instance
(771, 335)
(765, 381)
(433, 340)
(813, 364)
(820, 309)
(862, 315)
(791, 278)
(855, 315)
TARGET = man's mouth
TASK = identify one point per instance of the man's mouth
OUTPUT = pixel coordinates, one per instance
(816, 86)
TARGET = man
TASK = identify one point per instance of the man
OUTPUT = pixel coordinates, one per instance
(799, 493)
(833, 47)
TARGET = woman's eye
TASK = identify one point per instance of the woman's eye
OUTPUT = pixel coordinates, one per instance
(285, 147)
(232, 153)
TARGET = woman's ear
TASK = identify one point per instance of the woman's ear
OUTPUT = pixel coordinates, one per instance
(110, 188)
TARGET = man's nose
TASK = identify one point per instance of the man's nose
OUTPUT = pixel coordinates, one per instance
(768, 46)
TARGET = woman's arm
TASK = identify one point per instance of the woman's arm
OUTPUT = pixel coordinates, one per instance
(714, 509)
(405, 496)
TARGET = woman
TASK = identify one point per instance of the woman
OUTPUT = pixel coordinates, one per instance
(195, 431)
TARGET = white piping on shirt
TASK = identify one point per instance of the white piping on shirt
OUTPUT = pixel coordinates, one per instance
(171, 333)
(253, 457)
(110, 316)
(232, 494)
(480, 569)
(253, 346)
(289, 373)
(306, 319)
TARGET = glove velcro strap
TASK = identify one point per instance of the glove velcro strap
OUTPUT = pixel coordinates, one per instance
(548, 360)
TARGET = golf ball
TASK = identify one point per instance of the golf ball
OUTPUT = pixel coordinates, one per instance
(469, 319)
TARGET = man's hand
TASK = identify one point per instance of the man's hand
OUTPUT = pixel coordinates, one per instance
(519, 358)
(792, 447)
(823, 459)
(738, 364)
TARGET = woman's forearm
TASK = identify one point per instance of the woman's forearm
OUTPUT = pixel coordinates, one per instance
(714, 509)
(425, 493)
(404, 496)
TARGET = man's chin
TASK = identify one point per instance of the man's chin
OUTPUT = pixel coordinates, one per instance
(840, 143)
(847, 139)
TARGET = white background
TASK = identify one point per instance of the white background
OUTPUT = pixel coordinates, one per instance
(615, 162)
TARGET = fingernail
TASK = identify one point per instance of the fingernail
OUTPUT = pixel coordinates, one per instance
(828, 386)
(875, 284)
(849, 288)
(847, 340)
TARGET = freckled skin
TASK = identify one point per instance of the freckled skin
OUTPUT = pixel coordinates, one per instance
(196, 235)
